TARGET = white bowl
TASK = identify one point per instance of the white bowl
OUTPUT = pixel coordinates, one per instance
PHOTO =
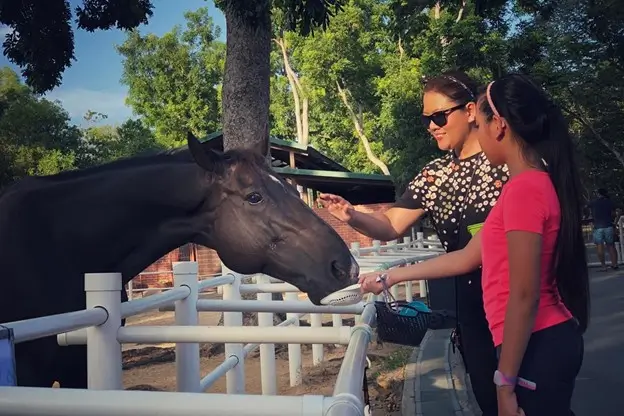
(350, 295)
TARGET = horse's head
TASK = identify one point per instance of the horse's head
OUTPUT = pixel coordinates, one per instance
(260, 225)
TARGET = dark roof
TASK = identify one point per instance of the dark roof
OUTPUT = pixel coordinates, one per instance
(316, 171)
(306, 157)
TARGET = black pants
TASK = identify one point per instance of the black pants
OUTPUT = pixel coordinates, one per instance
(552, 360)
(480, 360)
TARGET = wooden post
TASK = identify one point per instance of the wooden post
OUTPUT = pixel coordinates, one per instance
(291, 159)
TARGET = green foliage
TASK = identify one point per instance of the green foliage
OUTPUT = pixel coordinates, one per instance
(42, 40)
(174, 80)
(298, 15)
(372, 52)
(575, 50)
(35, 136)
(102, 144)
(376, 51)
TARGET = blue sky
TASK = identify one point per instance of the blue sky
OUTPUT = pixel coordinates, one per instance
(92, 82)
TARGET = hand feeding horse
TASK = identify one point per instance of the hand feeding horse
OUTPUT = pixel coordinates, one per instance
(124, 215)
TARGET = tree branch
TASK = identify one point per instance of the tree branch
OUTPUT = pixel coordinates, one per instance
(290, 75)
(461, 11)
(359, 128)
(584, 120)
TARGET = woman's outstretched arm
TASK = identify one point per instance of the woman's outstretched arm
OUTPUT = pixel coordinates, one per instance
(446, 265)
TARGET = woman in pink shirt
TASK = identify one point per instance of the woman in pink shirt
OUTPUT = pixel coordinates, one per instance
(535, 279)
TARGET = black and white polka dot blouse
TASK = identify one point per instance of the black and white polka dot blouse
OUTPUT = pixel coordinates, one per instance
(457, 194)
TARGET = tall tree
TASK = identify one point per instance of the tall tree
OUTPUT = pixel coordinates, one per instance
(576, 50)
(36, 137)
(174, 81)
(246, 83)
(41, 39)
(105, 143)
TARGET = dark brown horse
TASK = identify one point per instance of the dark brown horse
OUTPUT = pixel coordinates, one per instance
(122, 216)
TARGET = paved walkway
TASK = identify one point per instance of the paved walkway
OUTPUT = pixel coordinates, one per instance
(435, 381)
(600, 385)
(436, 384)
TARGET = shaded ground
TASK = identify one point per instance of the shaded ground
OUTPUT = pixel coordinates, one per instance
(600, 385)
(385, 377)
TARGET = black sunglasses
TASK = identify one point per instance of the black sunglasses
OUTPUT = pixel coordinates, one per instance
(439, 118)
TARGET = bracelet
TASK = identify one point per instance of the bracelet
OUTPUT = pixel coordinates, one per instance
(383, 278)
(501, 380)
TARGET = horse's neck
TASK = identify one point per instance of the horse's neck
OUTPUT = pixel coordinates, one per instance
(122, 221)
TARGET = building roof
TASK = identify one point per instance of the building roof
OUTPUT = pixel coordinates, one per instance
(316, 171)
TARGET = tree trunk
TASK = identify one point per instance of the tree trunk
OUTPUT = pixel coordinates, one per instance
(299, 96)
(359, 128)
(460, 14)
(246, 84)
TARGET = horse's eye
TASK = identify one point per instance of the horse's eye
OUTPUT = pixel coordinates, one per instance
(254, 198)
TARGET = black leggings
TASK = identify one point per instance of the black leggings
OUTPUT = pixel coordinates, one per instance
(552, 360)
(479, 356)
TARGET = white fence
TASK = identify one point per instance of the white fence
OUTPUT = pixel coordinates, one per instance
(99, 326)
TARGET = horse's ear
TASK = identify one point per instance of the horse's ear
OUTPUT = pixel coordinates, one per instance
(263, 145)
(266, 140)
(209, 159)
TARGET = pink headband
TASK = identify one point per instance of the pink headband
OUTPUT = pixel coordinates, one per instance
(489, 98)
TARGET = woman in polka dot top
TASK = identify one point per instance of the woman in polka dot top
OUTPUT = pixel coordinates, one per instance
(456, 191)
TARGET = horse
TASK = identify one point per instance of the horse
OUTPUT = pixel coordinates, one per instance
(124, 215)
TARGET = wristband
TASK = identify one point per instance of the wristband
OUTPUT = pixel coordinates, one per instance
(501, 380)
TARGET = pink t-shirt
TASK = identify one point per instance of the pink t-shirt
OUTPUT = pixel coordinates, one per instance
(528, 202)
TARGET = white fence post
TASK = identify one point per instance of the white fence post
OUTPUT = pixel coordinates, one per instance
(337, 323)
(355, 246)
(103, 350)
(316, 321)
(409, 294)
(420, 236)
(392, 248)
(376, 247)
(268, 371)
(294, 350)
(235, 378)
(187, 355)
(130, 291)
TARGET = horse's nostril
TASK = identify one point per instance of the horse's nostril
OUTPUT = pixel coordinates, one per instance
(338, 271)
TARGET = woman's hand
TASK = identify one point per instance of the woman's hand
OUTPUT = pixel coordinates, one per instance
(371, 283)
(337, 206)
(508, 402)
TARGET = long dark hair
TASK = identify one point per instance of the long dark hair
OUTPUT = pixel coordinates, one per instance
(542, 131)
(456, 85)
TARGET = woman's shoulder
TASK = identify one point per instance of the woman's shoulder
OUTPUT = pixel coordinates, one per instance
(531, 186)
(438, 164)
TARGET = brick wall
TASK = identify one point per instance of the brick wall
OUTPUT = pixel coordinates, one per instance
(209, 263)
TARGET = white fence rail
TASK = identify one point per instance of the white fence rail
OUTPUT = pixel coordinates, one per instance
(99, 326)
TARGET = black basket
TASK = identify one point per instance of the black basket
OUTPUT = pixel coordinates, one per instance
(401, 329)
(404, 329)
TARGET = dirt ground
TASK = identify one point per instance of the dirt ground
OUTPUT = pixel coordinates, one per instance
(153, 367)
(385, 378)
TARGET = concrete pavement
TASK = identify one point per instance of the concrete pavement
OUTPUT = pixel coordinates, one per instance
(435, 381)
(600, 385)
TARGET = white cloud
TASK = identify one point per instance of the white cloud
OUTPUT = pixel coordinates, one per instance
(77, 101)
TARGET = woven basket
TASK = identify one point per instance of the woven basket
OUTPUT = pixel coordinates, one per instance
(398, 328)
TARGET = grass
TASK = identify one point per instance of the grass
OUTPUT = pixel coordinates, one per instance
(395, 360)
